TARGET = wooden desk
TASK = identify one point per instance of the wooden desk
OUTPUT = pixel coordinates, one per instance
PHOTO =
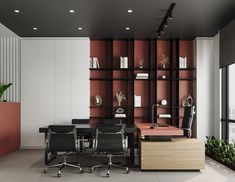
(169, 130)
(178, 154)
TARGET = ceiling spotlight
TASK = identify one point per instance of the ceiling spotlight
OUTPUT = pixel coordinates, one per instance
(35, 28)
(162, 31)
(127, 28)
(129, 11)
(17, 11)
(79, 28)
(71, 11)
(166, 25)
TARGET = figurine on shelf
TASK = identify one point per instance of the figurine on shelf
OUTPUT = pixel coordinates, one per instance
(98, 100)
(164, 60)
(187, 101)
(120, 97)
(141, 63)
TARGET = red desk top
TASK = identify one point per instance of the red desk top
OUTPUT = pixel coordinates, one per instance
(159, 131)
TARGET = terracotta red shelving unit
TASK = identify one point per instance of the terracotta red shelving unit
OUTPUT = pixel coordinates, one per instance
(110, 79)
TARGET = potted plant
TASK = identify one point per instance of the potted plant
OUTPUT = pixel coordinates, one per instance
(3, 88)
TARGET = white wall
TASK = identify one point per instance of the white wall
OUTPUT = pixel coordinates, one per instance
(10, 63)
(216, 88)
(207, 61)
(55, 84)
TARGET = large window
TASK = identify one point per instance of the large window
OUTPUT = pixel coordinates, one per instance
(228, 103)
(231, 102)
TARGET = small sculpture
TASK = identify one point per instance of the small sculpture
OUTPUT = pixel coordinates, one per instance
(98, 100)
(187, 101)
(141, 63)
(120, 97)
(164, 60)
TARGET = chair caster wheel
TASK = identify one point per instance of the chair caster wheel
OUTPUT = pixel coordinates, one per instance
(107, 174)
(127, 170)
(45, 170)
(80, 171)
(59, 174)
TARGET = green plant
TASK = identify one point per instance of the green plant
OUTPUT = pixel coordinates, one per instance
(3, 88)
(221, 151)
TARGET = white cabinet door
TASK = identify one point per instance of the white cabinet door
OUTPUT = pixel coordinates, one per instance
(29, 130)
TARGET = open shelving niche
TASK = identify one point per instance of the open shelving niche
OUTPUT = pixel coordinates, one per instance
(110, 78)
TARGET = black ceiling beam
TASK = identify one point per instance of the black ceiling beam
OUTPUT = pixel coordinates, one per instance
(164, 20)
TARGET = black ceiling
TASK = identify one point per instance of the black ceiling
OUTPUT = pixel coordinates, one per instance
(108, 18)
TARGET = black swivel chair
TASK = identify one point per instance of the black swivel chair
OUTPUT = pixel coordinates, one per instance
(62, 138)
(84, 137)
(189, 112)
(110, 142)
(112, 121)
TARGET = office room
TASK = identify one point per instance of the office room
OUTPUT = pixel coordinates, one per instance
(100, 90)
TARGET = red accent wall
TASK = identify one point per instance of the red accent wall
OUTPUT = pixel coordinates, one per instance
(9, 127)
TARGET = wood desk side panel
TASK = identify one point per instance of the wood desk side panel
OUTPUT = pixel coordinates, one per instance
(180, 154)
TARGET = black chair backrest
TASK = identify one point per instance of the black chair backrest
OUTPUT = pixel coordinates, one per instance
(109, 139)
(188, 117)
(62, 138)
(80, 121)
(112, 121)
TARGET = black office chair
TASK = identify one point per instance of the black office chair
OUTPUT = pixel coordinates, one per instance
(62, 138)
(110, 142)
(112, 121)
(84, 137)
(189, 112)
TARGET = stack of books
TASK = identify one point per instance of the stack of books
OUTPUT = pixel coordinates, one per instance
(142, 76)
(164, 116)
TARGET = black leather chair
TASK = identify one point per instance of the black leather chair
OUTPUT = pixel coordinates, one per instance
(84, 137)
(110, 142)
(62, 139)
(189, 112)
(112, 121)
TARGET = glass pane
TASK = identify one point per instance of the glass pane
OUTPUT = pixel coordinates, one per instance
(231, 92)
(231, 132)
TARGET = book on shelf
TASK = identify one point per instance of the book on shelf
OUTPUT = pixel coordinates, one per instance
(117, 115)
(183, 62)
(142, 76)
(123, 62)
(164, 116)
(94, 63)
(137, 101)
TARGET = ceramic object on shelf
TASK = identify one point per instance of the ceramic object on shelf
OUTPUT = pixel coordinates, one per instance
(164, 102)
(98, 100)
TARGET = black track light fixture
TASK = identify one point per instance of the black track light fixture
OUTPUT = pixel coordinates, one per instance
(164, 23)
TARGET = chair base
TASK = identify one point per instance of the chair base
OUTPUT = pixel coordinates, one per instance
(62, 165)
(109, 166)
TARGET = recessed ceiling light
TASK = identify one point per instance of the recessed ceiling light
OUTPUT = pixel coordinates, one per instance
(129, 11)
(71, 11)
(79, 28)
(35, 28)
(127, 28)
(17, 11)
